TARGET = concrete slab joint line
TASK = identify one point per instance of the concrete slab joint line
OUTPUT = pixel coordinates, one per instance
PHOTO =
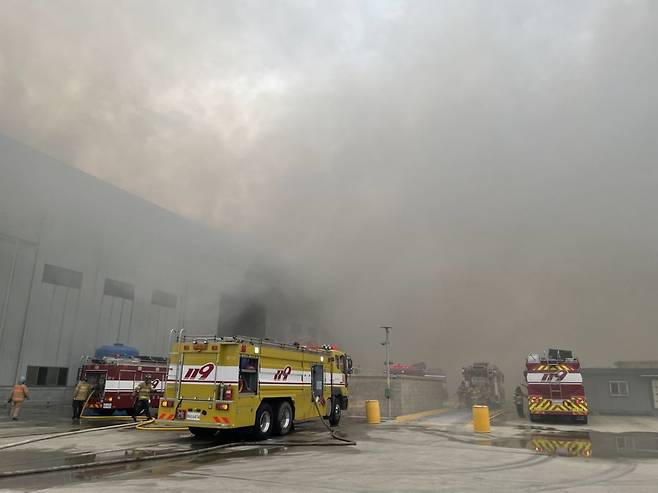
(423, 414)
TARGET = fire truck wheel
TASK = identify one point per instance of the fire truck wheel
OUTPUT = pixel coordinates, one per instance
(203, 432)
(334, 417)
(283, 423)
(264, 421)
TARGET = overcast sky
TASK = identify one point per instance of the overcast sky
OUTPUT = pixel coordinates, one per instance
(480, 175)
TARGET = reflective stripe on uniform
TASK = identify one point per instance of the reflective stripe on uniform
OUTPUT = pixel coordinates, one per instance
(19, 393)
(143, 391)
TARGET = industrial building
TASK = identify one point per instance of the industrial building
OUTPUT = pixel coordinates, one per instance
(628, 388)
(83, 263)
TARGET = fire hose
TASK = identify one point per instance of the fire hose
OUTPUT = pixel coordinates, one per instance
(339, 442)
(66, 433)
(169, 455)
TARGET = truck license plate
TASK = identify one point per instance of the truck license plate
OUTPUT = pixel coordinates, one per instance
(193, 415)
(107, 405)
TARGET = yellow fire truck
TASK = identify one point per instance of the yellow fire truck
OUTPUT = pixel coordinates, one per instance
(217, 383)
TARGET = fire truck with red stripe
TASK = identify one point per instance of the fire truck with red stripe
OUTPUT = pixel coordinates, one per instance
(114, 372)
(555, 386)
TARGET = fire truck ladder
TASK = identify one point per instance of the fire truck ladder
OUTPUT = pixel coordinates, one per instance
(556, 391)
(179, 366)
(555, 387)
(238, 339)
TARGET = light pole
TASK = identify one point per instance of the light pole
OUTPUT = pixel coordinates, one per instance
(387, 344)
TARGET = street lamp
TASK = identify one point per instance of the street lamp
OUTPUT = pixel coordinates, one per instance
(387, 344)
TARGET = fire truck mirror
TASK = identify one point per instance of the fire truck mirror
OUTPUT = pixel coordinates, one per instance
(349, 366)
(317, 381)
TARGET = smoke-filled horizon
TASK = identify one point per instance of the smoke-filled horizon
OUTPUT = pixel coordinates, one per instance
(479, 175)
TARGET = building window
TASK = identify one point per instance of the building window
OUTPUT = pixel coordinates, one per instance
(618, 388)
(59, 276)
(119, 289)
(49, 376)
(162, 298)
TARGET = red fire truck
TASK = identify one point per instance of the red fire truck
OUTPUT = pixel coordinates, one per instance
(113, 376)
(555, 386)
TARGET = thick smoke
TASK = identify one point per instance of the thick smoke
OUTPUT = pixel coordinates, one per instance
(479, 175)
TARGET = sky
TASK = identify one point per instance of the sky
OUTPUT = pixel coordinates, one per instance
(480, 175)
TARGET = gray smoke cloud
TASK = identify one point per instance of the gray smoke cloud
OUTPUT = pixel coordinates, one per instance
(479, 175)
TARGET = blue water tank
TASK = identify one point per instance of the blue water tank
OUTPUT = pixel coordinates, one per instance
(117, 349)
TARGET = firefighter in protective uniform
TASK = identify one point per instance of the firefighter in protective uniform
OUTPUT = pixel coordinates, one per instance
(476, 396)
(143, 393)
(80, 395)
(518, 401)
(18, 394)
(462, 393)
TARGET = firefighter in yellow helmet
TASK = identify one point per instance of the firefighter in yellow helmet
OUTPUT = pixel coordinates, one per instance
(18, 394)
(143, 398)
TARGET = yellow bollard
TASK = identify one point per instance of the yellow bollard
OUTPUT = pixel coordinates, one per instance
(372, 412)
(481, 419)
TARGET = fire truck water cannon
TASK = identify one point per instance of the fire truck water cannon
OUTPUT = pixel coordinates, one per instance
(555, 386)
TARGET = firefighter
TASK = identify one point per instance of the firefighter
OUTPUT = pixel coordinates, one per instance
(461, 394)
(476, 396)
(143, 394)
(80, 395)
(18, 394)
(518, 401)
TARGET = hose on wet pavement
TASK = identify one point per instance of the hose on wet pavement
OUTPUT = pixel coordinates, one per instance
(171, 455)
(336, 442)
(330, 429)
(66, 433)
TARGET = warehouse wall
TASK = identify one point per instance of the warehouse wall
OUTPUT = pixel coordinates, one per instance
(408, 394)
(83, 263)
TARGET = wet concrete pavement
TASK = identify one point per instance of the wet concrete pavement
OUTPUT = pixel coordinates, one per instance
(438, 453)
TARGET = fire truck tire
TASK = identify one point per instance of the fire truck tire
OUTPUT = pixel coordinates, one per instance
(334, 416)
(203, 432)
(283, 423)
(264, 421)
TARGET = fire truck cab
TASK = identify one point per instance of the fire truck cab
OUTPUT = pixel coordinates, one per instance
(216, 383)
(555, 386)
(114, 376)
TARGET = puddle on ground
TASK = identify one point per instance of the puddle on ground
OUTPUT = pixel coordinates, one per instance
(582, 444)
(564, 443)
